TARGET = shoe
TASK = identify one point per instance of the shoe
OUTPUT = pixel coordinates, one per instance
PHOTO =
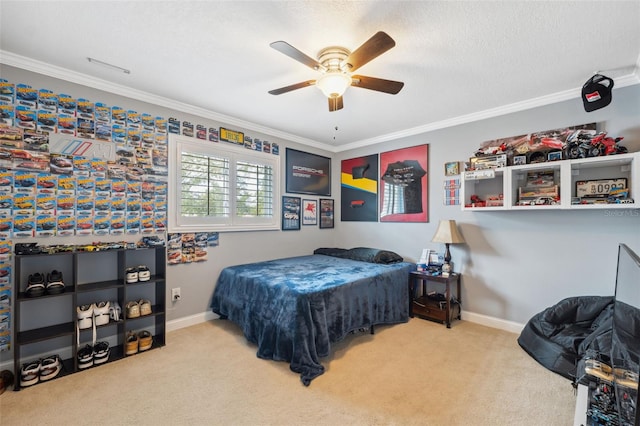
(6, 380)
(100, 353)
(85, 316)
(35, 286)
(133, 309)
(85, 357)
(145, 340)
(114, 311)
(50, 367)
(55, 285)
(143, 273)
(30, 373)
(131, 275)
(131, 344)
(101, 313)
(145, 307)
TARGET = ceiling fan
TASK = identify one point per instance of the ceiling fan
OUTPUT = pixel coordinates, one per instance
(336, 64)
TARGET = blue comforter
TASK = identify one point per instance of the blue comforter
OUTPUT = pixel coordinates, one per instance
(294, 308)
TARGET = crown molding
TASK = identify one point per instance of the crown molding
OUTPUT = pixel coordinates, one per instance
(626, 80)
(49, 70)
(39, 67)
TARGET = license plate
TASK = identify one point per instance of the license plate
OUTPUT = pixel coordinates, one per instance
(599, 187)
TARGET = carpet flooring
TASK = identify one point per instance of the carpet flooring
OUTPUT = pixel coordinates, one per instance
(418, 373)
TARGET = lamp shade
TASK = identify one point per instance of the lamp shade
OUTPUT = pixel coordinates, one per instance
(448, 233)
(333, 84)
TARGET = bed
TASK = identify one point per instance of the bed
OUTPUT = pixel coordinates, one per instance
(294, 308)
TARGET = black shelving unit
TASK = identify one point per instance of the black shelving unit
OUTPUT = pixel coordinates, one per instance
(46, 325)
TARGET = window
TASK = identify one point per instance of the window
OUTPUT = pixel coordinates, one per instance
(219, 187)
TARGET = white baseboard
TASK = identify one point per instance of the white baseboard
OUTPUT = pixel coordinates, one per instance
(179, 323)
(510, 326)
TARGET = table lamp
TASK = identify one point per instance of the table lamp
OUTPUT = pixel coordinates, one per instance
(447, 233)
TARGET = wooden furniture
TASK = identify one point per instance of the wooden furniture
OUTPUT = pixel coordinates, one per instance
(429, 307)
(47, 325)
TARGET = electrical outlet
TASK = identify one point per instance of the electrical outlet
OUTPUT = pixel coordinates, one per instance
(175, 294)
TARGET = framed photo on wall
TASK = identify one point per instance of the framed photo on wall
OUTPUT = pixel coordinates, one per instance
(404, 185)
(309, 212)
(326, 213)
(452, 169)
(290, 213)
(307, 173)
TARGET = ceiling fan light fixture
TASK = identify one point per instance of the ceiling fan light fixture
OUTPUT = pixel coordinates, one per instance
(333, 84)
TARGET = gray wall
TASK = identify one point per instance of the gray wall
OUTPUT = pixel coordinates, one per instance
(514, 263)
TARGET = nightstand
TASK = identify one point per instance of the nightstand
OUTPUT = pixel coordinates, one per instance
(443, 311)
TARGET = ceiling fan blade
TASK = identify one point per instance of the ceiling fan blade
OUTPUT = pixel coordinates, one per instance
(296, 86)
(292, 52)
(335, 104)
(378, 84)
(371, 49)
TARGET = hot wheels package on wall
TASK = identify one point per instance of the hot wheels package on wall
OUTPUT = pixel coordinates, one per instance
(133, 119)
(67, 105)
(46, 183)
(46, 204)
(24, 182)
(66, 225)
(85, 109)
(86, 128)
(47, 121)
(102, 113)
(7, 92)
(66, 205)
(118, 133)
(24, 226)
(117, 225)
(148, 122)
(6, 224)
(45, 226)
(24, 204)
(25, 117)
(6, 205)
(47, 100)
(67, 124)
(101, 225)
(132, 223)
(174, 125)
(84, 225)
(118, 116)
(6, 181)
(7, 114)
(161, 125)
(26, 96)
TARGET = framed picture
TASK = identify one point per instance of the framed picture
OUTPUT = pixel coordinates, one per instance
(451, 169)
(290, 213)
(404, 185)
(309, 212)
(326, 213)
(554, 156)
(519, 160)
(359, 189)
(307, 173)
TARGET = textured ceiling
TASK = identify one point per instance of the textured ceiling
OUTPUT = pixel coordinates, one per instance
(458, 60)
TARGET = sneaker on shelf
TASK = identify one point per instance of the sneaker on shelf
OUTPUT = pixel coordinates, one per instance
(100, 353)
(35, 285)
(143, 273)
(115, 313)
(101, 313)
(131, 345)
(145, 307)
(131, 275)
(85, 316)
(55, 284)
(30, 373)
(50, 367)
(145, 340)
(85, 357)
(133, 309)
